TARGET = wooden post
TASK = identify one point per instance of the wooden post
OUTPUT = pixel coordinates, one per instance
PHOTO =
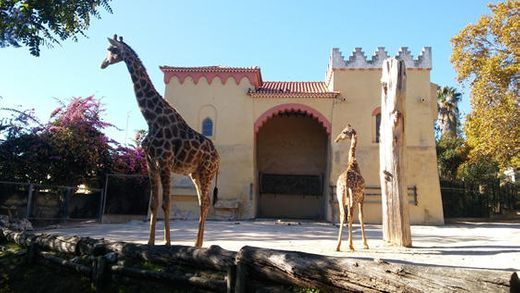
(68, 194)
(100, 271)
(231, 274)
(240, 272)
(29, 201)
(396, 222)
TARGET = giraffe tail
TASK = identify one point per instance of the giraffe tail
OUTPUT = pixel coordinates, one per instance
(215, 191)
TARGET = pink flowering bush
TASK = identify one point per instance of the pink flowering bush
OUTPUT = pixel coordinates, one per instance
(129, 160)
(70, 149)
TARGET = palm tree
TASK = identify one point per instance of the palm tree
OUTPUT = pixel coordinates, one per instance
(447, 103)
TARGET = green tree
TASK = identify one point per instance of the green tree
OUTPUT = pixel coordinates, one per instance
(452, 153)
(486, 56)
(34, 23)
(449, 116)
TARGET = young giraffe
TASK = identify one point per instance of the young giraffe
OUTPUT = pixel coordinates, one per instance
(170, 145)
(351, 181)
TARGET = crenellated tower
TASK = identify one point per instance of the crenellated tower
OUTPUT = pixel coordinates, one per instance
(358, 60)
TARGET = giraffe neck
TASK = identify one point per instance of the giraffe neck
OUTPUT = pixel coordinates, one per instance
(352, 151)
(149, 100)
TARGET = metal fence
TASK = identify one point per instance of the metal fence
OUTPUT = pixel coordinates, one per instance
(126, 194)
(480, 200)
(122, 195)
(41, 202)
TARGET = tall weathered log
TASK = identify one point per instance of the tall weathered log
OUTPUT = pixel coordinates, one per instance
(336, 274)
(396, 223)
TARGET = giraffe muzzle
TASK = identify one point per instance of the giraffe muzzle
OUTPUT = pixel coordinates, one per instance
(104, 64)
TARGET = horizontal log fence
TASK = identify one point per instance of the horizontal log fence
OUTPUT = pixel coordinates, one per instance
(218, 270)
(373, 194)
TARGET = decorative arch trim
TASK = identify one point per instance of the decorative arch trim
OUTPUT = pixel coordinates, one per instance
(376, 111)
(210, 77)
(293, 108)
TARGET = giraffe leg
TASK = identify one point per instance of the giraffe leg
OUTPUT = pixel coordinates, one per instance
(166, 203)
(350, 217)
(204, 202)
(361, 222)
(154, 201)
(340, 193)
(350, 220)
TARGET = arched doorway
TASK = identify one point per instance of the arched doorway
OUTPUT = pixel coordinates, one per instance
(291, 159)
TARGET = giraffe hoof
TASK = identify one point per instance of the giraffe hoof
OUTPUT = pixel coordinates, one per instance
(337, 249)
(352, 248)
(365, 246)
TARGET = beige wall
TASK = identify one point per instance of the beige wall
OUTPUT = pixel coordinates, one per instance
(361, 90)
(235, 112)
(233, 136)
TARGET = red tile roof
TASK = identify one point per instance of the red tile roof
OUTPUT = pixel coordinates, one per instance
(311, 89)
(217, 68)
(262, 89)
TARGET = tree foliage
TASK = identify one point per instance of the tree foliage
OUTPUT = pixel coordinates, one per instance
(486, 55)
(81, 149)
(70, 149)
(452, 153)
(34, 23)
(129, 160)
(449, 116)
(481, 170)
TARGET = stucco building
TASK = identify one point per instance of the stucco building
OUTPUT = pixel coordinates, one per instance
(276, 138)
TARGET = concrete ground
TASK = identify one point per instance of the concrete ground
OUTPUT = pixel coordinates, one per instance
(483, 245)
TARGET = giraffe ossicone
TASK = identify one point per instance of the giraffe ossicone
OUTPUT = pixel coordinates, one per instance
(171, 145)
(350, 189)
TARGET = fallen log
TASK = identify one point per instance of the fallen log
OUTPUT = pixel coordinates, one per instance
(63, 244)
(47, 257)
(177, 279)
(335, 274)
(214, 257)
(281, 267)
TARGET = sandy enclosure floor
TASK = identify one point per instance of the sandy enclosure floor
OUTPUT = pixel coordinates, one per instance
(466, 245)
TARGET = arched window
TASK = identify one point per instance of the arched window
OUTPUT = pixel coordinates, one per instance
(207, 127)
(378, 126)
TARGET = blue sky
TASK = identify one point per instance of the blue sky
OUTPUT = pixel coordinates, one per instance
(290, 41)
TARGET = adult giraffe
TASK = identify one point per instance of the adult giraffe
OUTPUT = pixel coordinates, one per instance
(171, 145)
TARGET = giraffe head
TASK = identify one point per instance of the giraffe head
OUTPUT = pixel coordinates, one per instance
(346, 133)
(115, 52)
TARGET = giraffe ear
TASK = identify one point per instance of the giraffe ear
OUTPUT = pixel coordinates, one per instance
(112, 42)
